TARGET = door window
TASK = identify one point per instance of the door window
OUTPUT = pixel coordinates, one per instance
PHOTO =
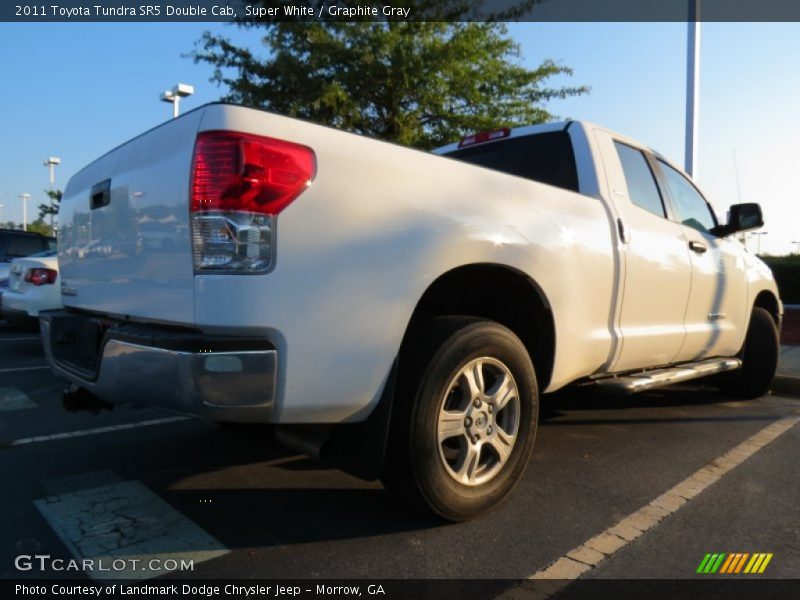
(692, 209)
(642, 188)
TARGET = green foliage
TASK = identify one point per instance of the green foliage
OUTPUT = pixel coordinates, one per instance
(46, 209)
(39, 226)
(786, 270)
(418, 84)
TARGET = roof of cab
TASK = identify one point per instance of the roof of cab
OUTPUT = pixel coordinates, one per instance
(547, 128)
(515, 132)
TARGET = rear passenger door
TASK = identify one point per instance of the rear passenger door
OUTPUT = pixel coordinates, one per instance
(716, 314)
(654, 257)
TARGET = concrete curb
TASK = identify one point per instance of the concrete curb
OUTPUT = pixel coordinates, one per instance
(786, 385)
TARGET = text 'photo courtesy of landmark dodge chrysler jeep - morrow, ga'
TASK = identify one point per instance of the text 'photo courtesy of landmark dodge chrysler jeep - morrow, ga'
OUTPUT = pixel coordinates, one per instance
(393, 312)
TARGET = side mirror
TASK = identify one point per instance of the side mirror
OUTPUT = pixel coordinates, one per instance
(742, 217)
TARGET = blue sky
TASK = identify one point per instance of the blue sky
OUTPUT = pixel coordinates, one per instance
(76, 90)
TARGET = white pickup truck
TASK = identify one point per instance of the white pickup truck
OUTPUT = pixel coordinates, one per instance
(395, 312)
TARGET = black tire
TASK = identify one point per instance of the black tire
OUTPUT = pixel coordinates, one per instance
(759, 359)
(416, 466)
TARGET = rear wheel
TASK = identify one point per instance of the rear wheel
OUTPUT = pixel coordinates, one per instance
(759, 359)
(466, 418)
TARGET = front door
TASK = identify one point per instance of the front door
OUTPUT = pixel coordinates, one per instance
(717, 308)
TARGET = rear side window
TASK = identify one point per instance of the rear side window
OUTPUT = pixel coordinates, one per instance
(544, 157)
(642, 186)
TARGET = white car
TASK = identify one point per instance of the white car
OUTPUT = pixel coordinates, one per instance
(33, 286)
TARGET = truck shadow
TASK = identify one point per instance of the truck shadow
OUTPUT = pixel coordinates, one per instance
(256, 493)
(290, 499)
(619, 408)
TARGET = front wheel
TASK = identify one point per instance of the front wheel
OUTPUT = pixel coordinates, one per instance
(759, 359)
(467, 418)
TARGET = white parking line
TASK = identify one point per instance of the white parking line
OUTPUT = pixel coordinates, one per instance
(24, 369)
(13, 399)
(590, 554)
(97, 430)
(126, 530)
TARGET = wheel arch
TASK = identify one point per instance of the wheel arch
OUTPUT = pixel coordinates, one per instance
(497, 292)
(768, 301)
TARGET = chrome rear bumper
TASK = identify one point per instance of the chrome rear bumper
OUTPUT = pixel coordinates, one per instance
(227, 385)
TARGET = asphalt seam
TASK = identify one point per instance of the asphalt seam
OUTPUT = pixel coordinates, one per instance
(589, 555)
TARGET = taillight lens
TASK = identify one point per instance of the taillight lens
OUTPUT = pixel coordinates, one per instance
(240, 182)
(39, 277)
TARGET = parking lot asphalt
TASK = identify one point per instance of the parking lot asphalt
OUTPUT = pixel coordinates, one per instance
(136, 482)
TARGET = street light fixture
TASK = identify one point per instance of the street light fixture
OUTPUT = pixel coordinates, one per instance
(25, 198)
(51, 162)
(173, 96)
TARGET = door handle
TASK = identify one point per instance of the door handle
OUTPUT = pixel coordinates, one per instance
(698, 247)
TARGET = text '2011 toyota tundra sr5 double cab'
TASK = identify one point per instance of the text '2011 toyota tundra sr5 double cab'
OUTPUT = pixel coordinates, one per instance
(394, 312)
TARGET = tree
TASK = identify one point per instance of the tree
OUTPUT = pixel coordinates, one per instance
(418, 84)
(52, 207)
(39, 226)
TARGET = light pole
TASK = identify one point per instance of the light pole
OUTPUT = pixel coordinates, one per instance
(759, 235)
(173, 96)
(51, 162)
(25, 198)
(692, 87)
(2, 206)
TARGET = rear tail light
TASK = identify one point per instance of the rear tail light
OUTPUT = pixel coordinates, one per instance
(39, 277)
(240, 182)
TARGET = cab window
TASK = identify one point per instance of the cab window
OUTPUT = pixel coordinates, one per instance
(545, 157)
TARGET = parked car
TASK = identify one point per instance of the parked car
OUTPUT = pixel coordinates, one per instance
(395, 312)
(16, 244)
(33, 286)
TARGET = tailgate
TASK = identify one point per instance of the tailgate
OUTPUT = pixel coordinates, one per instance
(124, 238)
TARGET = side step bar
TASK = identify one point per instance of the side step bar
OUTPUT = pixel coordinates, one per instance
(647, 380)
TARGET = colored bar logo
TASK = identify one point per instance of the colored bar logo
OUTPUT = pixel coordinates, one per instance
(734, 563)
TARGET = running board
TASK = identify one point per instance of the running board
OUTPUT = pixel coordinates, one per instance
(647, 380)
